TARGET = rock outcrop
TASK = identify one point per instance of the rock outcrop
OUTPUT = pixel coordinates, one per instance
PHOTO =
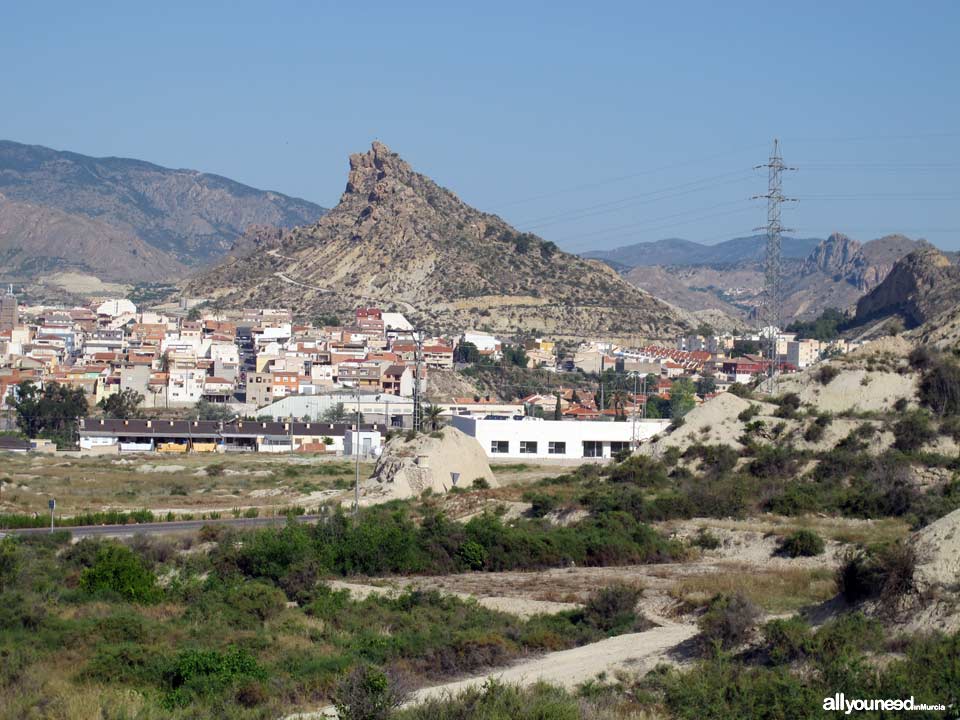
(919, 287)
(399, 240)
(408, 467)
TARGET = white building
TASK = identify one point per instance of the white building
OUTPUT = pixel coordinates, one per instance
(535, 438)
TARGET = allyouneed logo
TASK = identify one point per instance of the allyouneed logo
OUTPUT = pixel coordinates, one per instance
(840, 703)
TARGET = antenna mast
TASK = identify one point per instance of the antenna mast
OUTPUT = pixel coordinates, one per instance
(772, 310)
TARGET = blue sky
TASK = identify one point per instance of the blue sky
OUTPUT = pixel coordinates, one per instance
(592, 126)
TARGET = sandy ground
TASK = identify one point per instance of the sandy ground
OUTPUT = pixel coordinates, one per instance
(519, 606)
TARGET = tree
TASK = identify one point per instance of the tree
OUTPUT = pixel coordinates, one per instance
(50, 413)
(466, 352)
(557, 410)
(122, 405)
(326, 321)
(206, 410)
(193, 314)
(432, 416)
(706, 385)
(335, 414)
(705, 330)
(515, 355)
(681, 397)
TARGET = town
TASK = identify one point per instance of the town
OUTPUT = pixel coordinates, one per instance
(193, 379)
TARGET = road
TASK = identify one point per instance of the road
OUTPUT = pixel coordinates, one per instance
(160, 528)
(287, 279)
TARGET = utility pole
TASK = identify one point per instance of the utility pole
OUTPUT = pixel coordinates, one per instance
(356, 440)
(634, 441)
(417, 389)
(773, 271)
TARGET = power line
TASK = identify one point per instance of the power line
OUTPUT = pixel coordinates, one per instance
(773, 271)
(654, 196)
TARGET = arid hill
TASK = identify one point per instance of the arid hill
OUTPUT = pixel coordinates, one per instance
(36, 240)
(398, 239)
(186, 217)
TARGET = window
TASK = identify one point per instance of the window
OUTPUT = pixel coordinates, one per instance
(499, 446)
(528, 446)
(557, 448)
(592, 448)
(616, 447)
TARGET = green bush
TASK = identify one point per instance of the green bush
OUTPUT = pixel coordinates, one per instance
(198, 672)
(913, 431)
(748, 414)
(727, 623)
(367, 693)
(801, 543)
(613, 609)
(116, 569)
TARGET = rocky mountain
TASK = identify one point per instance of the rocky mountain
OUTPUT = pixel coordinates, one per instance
(680, 253)
(398, 239)
(35, 240)
(836, 273)
(920, 287)
(190, 217)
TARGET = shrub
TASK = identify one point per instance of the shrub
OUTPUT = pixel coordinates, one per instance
(920, 358)
(540, 503)
(901, 405)
(827, 373)
(366, 693)
(774, 461)
(639, 470)
(748, 414)
(728, 622)
(705, 539)
(885, 572)
(207, 672)
(481, 484)
(472, 555)
(789, 404)
(802, 543)
(913, 431)
(117, 569)
(788, 639)
(740, 390)
(612, 609)
(940, 387)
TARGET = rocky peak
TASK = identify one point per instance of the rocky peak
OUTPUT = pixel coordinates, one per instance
(837, 256)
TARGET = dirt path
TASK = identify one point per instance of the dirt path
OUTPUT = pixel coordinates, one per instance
(637, 652)
(287, 279)
(521, 607)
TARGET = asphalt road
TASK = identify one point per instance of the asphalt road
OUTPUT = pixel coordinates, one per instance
(160, 528)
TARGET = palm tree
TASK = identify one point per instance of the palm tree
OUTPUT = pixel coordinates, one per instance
(431, 414)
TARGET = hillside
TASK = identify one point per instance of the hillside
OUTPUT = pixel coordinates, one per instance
(836, 273)
(189, 216)
(918, 289)
(36, 240)
(679, 252)
(397, 238)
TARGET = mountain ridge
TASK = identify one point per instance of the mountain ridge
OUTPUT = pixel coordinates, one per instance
(191, 216)
(681, 252)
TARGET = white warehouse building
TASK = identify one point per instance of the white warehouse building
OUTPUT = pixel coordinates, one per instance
(526, 438)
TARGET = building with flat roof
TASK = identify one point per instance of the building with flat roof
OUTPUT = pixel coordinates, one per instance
(526, 438)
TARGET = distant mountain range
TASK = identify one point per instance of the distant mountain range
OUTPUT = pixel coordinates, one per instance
(679, 252)
(729, 277)
(397, 239)
(124, 219)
